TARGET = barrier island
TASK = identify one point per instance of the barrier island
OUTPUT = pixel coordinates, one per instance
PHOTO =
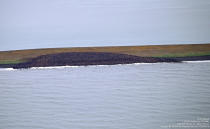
(82, 56)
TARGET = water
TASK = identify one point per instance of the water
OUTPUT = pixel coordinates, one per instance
(147, 96)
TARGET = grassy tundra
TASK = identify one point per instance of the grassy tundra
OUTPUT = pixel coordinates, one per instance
(187, 50)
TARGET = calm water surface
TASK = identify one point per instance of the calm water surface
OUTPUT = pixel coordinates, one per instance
(147, 96)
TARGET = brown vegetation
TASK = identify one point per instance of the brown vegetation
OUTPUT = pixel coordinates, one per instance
(17, 56)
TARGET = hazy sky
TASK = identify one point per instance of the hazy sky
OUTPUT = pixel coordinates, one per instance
(66, 23)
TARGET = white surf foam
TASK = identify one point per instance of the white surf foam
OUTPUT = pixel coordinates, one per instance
(198, 61)
(54, 67)
(63, 67)
(7, 69)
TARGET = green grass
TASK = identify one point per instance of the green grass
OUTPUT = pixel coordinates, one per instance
(184, 50)
(11, 61)
(184, 54)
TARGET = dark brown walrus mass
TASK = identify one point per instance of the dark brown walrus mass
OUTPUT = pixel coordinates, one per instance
(88, 58)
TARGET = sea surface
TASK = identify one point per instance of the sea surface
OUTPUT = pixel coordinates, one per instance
(134, 96)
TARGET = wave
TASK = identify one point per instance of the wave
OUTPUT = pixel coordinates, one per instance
(54, 67)
(7, 69)
(62, 67)
(198, 61)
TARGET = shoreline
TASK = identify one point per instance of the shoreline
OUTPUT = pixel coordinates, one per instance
(63, 67)
(83, 56)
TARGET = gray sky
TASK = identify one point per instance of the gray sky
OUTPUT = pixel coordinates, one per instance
(65, 23)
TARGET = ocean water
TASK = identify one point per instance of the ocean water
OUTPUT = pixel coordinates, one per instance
(134, 96)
